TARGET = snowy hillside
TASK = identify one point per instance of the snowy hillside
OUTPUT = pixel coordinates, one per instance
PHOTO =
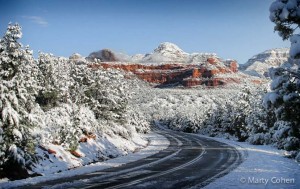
(259, 64)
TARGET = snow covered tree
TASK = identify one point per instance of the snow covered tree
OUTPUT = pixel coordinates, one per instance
(286, 15)
(284, 99)
(230, 116)
(242, 109)
(54, 80)
(67, 87)
(54, 100)
(104, 91)
(260, 120)
(17, 89)
(240, 116)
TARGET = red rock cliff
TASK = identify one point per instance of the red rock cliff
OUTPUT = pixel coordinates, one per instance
(186, 74)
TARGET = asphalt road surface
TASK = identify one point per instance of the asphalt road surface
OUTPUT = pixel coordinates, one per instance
(189, 161)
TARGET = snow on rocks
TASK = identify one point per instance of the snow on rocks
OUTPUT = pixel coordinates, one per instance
(94, 150)
(165, 53)
(168, 52)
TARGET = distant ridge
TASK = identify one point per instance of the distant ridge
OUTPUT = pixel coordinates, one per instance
(259, 64)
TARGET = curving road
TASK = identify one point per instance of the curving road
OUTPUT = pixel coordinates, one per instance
(189, 161)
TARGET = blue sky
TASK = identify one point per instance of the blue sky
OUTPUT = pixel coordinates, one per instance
(235, 29)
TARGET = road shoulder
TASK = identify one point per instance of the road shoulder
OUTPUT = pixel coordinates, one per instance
(264, 167)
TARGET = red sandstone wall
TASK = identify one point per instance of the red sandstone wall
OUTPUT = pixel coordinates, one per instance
(187, 74)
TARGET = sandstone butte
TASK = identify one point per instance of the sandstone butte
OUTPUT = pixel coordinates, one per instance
(186, 74)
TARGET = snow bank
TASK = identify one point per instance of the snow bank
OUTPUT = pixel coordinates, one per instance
(93, 150)
(156, 143)
(264, 167)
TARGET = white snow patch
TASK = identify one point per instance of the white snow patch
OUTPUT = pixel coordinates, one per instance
(295, 46)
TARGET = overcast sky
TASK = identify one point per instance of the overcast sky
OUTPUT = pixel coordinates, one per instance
(236, 29)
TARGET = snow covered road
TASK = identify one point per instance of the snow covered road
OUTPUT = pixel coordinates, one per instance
(189, 160)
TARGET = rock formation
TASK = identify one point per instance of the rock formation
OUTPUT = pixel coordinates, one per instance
(77, 59)
(185, 74)
(170, 53)
(259, 64)
(104, 55)
(168, 64)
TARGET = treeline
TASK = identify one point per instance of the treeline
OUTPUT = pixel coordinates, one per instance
(54, 100)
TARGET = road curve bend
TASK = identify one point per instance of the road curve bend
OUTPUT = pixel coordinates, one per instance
(190, 160)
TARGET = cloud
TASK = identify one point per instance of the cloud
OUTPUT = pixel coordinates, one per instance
(38, 20)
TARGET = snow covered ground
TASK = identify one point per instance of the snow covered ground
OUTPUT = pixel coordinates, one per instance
(156, 144)
(264, 167)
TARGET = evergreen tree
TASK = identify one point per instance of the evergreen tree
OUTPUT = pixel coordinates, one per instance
(17, 90)
(54, 100)
(286, 16)
(54, 79)
(284, 98)
(104, 91)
